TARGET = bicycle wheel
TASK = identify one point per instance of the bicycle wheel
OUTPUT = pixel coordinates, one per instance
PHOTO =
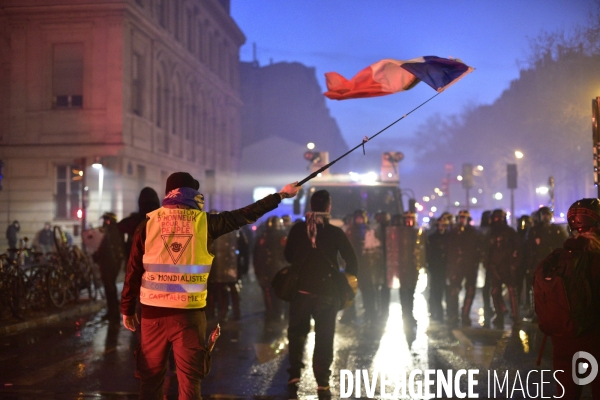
(17, 285)
(56, 289)
(92, 289)
(36, 288)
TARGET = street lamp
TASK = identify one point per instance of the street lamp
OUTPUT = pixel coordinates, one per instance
(310, 145)
(519, 154)
(97, 165)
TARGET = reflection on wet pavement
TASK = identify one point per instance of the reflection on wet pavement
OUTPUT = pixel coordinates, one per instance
(90, 359)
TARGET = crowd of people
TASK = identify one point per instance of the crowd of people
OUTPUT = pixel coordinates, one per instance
(390, 252)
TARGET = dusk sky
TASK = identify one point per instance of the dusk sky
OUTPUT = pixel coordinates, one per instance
(346, 36)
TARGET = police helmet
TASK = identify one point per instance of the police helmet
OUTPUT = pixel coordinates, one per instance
(584, 215)
(465, 214)
(524, 223)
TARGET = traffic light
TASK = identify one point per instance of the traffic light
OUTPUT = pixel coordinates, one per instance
(412, 206)
(389, 165)
(76, 173)
(511, 176)
(312, 156)
(467, 175)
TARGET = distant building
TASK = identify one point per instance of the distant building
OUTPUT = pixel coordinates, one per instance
(284, 109)
(143, 87)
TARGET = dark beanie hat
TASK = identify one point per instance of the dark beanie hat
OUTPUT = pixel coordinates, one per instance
(181, 179)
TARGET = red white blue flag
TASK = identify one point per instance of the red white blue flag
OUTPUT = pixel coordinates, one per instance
(392, 76)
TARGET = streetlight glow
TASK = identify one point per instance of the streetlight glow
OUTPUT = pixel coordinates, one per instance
(518, 154)
(459, 178)
(310, 145)
(542, 190)
(498, 196)
(480, 168)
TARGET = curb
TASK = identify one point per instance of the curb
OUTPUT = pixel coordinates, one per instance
(73, 311)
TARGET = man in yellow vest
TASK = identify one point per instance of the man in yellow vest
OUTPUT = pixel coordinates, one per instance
(168, 269)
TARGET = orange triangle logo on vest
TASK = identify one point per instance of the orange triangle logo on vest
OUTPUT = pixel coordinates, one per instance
(176, 245)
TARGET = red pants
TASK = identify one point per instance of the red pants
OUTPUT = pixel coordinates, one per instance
(563, 350)
(183, 332)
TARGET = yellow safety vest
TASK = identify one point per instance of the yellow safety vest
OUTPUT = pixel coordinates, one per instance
(176, 259)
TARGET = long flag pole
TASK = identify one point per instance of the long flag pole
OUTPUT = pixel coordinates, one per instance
(365, 140)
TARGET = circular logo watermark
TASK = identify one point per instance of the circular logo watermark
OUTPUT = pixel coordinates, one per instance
(583, 362)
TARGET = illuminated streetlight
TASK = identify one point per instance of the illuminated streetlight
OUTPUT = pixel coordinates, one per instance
(426, 198)
(518, 154)
(498, 196)
(433, 209)
(459, 178)
(310, 145)
(480, 168)
(542, 190)
(456, 203)
(98, 166)
(474, 200)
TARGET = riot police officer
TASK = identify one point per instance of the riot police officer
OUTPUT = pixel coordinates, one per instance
(542, 239)
(502, 266)
(369, 253)
(484, 230)
(436, 268)
(405, 248)
(463, 255)
(524, 224)
(223, 279)
(268, 259)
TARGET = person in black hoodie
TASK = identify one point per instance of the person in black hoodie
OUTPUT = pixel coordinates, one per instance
(313, 246)
(147, 202)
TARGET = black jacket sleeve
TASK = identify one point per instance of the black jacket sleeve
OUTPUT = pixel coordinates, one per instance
(227, 221)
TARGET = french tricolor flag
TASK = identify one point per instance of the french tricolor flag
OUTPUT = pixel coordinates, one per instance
(391, 76)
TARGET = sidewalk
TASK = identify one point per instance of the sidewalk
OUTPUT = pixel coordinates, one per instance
(41, 318)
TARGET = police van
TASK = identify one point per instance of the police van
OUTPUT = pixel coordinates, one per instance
(371, 192)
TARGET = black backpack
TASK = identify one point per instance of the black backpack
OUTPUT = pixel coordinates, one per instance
(562, 293)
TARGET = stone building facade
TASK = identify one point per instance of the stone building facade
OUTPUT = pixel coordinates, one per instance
(284, 109)
(142, 88)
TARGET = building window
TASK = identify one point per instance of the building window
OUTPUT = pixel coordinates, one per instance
(67, 75)
(136, 84)
(68, 190)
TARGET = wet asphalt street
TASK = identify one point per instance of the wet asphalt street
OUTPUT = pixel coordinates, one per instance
(87, 358)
